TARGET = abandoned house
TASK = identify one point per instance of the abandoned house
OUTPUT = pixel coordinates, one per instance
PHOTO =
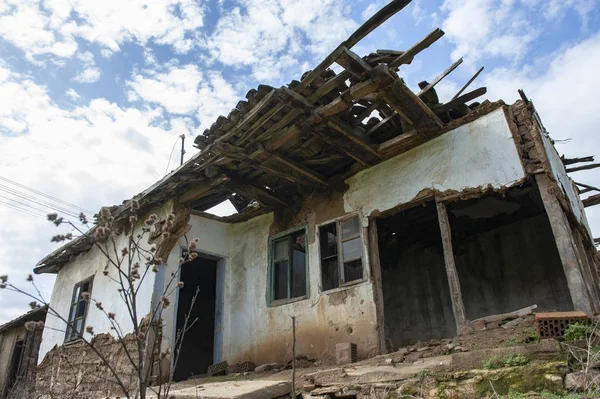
(373, 214)
(19, 345)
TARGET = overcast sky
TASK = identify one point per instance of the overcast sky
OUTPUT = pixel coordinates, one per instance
(94, 94)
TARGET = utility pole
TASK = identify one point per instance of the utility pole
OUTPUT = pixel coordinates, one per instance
(182, 148)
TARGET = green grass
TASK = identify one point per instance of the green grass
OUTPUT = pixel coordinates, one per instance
(577, 331)
(497, 362)
(544, 395)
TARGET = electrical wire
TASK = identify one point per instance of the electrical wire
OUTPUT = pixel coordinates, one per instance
(31, 199)
(46, 195)
(23, 211)
(170, 155)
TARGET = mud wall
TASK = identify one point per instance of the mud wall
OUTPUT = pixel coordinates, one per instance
(511, 267)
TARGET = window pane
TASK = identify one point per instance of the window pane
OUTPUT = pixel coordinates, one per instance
(350, 227)
(298, 273)
(79, 326)
(85, 287)
(80, 309)
(280, 280)
(76, 293)
(352, 249)
(281, 249)
(353, 270)
(328, 240)
(330, 273)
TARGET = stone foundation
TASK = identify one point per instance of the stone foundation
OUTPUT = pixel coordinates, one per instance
(76, 371)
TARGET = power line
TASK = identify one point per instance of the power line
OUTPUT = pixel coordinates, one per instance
(29, 198)
(46, 195)
(33, 207)
(23, 211)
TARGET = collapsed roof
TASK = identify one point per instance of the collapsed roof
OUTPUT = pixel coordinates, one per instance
(281, 144)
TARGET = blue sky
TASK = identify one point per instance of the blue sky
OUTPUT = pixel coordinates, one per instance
(94, 94)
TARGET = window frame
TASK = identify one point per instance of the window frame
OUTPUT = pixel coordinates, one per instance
(271, 266)
(70, 333)
(340, 261)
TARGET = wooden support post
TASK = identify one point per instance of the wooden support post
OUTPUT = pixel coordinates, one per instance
(293, 396)
(458, 307)
(567, 250)
(375, 262)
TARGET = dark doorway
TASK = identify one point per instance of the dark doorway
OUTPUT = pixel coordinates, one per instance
(506, 255)
(198, 343)
(15, 363)
(416, 295)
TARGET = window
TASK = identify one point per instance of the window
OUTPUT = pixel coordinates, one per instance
(78, 310)
(341, 253)
(288, 266)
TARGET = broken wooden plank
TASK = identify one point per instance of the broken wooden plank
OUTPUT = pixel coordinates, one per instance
(381, 123)
(440, 77)
(353, 135)
(587, 187)
(201, 190)
(314, 176)
(570, 161)
(408, 56)
(329, 85)
(460, 100)
(458, 306)
(411, 108)
(353, 63)
(584, 167)
(591, 200)
(507, 316)
(380, 17)
(468, 83)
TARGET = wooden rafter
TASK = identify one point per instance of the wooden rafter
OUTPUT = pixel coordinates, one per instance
(591, 200)
(408, 55)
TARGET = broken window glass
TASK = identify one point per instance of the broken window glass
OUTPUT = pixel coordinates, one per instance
(289, 267)
(335, 270)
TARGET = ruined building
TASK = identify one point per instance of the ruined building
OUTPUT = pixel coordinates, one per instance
(373, 214)
(19, 345)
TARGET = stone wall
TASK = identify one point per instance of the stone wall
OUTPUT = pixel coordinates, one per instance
(76, 371)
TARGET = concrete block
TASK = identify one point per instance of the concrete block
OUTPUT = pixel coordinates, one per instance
(345, 352)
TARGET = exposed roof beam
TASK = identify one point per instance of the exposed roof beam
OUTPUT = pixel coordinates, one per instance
(407, 57)
(570, 161)
(584, 167)
(411, 108)
(380, 17)
(440, 77)
(591, 201)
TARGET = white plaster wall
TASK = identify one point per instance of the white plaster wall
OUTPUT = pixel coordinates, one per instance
(104, 290)
(478, 154)
(565, 182)
(213, 239)
(254, 331)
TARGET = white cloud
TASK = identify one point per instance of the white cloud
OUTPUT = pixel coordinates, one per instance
(88, 75)
(103, 154)
(49, 27)
(565, 95)
(186, 90)
(258, 33)
(72, 94)
(482, 28)
(506, 29)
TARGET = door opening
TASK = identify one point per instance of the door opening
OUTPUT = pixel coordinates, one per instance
(416, 294)
(197, 350)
